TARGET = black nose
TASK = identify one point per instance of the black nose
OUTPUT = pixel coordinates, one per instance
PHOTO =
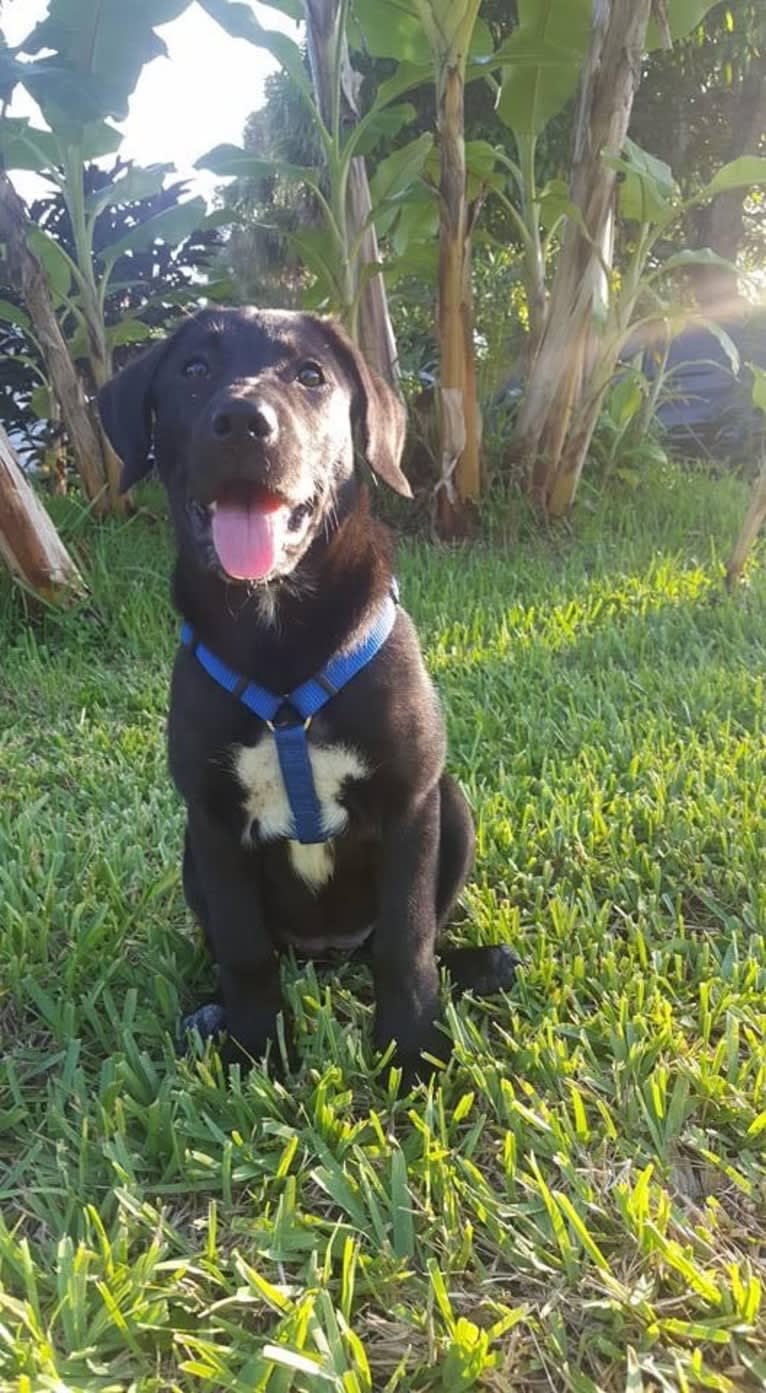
(243, 419)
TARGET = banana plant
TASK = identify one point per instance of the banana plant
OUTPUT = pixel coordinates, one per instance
(93, 52)
(341, 253)
(642, 303)
(543, 67)
(80, 64)
(79, 283)
(441, 42)
(529, 96)
(449, 27)
(445, 38)
(560, 406)
(446, 43)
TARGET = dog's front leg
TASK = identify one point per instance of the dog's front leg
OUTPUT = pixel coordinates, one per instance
(404, 964)
(238, 938)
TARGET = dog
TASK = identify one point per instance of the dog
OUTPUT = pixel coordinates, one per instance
(305, 736)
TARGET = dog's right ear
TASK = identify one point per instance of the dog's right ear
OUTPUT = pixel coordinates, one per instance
(125, 408)
(376, 410)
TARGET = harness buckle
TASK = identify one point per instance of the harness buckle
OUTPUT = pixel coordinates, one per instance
(286, 717)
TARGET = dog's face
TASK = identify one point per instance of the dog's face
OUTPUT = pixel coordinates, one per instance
(253, 416)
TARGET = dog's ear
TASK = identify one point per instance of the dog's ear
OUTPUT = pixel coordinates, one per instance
(125, 408)
(378, 413)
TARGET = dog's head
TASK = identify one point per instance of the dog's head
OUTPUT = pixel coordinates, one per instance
(253, 417)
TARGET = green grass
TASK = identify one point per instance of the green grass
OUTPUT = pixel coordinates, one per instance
(578, 1203)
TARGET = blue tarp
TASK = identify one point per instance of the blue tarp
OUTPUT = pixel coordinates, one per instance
(700, 383)
(703, 399)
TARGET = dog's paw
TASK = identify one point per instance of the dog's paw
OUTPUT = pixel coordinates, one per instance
(417, 1053)
(484, 971)
(254, 1043)
(246, 1047)
(208, 1021)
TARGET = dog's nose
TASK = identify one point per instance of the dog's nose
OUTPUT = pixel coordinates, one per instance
(245, 419)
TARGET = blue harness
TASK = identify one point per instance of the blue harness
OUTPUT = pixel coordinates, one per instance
(288, 717)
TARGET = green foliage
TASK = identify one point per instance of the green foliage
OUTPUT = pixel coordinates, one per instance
(696, 107)
(390, 30)
(576, 1202)
(557, 33)
(759, 387)
(405, 209)
(239, 20)
(396, 174)
(231, 161)
(743, 173)
(649, 195)
(146, 288)
(644, 297)
(626, 443)
(648, 190)
(331, 249)
(684, 16)
(688, 108)
(28, 147)
(79, 280)
(451, 29)
(93, 52)
(411, 31)
(99, 48)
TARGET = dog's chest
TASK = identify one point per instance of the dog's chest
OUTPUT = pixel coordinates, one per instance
(267, 808)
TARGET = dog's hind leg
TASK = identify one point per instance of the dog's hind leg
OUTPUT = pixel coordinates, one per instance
(456, 850)
(193, 891)
(209, 1018)
(484, 970)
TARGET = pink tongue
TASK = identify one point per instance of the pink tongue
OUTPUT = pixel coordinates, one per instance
(247, 537)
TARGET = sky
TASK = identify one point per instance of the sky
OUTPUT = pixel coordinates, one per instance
(183, 105)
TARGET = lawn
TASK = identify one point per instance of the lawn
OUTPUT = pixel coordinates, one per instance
(579, 1202)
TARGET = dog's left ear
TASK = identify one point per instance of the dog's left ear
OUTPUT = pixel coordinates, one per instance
(125, 408)
(378, 413)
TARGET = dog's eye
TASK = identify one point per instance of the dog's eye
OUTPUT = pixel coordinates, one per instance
(310, 375)
(196, 367)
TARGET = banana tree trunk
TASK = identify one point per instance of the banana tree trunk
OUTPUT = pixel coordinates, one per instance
(97, 465)
(374, 327)
(29, 543)
(334, 79)
(534, 258)
(756, 516)
(460, 482)
(561, 403)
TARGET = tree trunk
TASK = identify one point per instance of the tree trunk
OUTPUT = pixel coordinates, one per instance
(373, 328)
(562, 400)
(98, 468)
(29, 543)
(756, 516)
(460, 483)
(55, 460)
(534, 259)
(720, 225)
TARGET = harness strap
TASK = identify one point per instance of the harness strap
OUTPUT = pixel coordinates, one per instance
(290, 735)
(298, 779)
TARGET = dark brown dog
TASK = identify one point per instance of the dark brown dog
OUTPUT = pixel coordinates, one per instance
(281, 569)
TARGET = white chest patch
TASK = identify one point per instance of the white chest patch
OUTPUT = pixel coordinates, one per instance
(266, 802)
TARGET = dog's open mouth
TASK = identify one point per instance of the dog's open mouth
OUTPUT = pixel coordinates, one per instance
(251, 526)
